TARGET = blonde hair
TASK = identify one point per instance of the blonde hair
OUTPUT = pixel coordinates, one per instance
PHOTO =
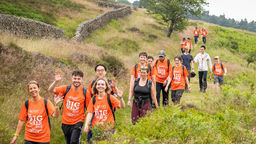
(33, 82)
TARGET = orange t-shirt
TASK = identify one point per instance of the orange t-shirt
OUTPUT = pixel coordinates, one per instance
(178, 81)
(73, 105)
(204, 33)
(183, 44)
(90, 90)
(218, 70)
(188, 44)
(138, 71)
(196, 32)
(37, 127)
(102, 111)
(161, 70)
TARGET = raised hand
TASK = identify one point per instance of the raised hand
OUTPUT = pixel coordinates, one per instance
(57, 76)
(120, 93)
(58, 99)
(113, 83)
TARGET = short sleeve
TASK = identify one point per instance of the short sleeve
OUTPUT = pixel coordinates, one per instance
(133, 70)
(90, 107)
(89, 90)
(23, 113)
(191, 58)
(152, 71)
(50, 108)
(171, 73)
(88, 98)
(61, 89)
(186, 74)
(115, 102)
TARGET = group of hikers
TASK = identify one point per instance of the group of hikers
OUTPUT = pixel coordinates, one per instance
(148, 79)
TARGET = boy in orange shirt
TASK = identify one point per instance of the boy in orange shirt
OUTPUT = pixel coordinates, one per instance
(183, 42)
(162, 69)
(204, 34)
(188, 44)
(178, 78)
(219, 70)
(75, 101)
(196, 34)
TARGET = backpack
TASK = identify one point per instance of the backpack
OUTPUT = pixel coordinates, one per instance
(149, 84)
(220, 65)
(109, 103)
(67, 90)
(46, 109)
(168, 63)
(136, 66)
(109, 81)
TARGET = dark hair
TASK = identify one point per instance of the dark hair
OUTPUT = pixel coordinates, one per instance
(33, 82)
(184, 39)
(151, 57)
(178, 57)
(78, 73)
(143, 54)
(95, 91)
(100, 64)
(203, 46)
(188, 38)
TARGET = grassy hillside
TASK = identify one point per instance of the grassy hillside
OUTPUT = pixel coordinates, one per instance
(64, 14)
(225, 118)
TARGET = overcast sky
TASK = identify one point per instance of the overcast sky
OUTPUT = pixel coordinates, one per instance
(237, 9)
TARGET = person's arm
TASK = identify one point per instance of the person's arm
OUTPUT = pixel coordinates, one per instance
(210, 62)
(225, 71)
(187, 82)
(192, 65)
(120, 96)
(131, 89)
(87, 122)
(168, 83)
(57, 78)
(195, 59)
(57, 100)
(153, 95)
(19, 128)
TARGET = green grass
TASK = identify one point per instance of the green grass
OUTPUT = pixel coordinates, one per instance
(225, 118)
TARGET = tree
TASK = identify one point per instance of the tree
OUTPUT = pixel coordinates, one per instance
(174, 13)
(123, 2)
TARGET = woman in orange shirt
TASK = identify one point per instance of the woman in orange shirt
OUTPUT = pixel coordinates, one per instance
(100, 109)
(36, 112)
(178, 77)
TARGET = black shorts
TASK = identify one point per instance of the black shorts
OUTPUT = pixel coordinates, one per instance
(219, 79)
(31, 142)
(72, 133)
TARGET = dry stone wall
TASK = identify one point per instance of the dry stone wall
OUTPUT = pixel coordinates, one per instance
(29, 28)
(87, 27)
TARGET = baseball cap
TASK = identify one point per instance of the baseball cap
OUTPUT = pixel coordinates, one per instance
(161, 53)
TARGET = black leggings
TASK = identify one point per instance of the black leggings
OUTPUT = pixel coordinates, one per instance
(176, 95)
